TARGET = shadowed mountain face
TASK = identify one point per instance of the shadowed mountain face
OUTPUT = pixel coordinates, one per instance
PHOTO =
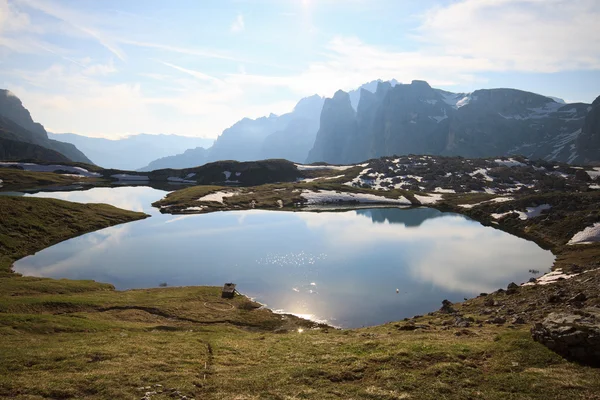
(132, 152)
(17, 125)
(417, 119)
(588, 142)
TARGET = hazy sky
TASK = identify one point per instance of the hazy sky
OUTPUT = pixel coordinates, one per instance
(194, 67)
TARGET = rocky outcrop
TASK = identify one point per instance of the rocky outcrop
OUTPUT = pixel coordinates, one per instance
(588, 142)
(338, 126)
(16, 124)
(574, 336)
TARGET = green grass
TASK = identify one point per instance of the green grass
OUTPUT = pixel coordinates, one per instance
(286, 196)
(15, 179)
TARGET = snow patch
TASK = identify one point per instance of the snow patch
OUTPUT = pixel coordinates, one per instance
(484, 172)
(594, 173)
(201, 208)
(331, 196)
(511, 162)
(431, 199)
(50, 168)
(531, 212)
(550, 277)
(441, 190)
(589, 235)
(227, 175)
(494, 200)
(217, 197)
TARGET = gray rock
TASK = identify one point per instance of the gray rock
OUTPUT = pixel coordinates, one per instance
(575, 336)
(518, 320)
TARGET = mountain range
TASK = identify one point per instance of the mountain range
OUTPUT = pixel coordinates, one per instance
(132, 152)
(289, 136)
(378, 119)
(387, 118)
(417, 119)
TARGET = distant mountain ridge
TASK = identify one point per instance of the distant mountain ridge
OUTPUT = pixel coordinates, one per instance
(385, 118)
(289, 136)
(417, 119)
(132, 152)
(18, 126)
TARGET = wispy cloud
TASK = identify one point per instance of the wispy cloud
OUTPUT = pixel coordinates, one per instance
(75, 20)
(196, 74)
(238, 24)
(177, 49)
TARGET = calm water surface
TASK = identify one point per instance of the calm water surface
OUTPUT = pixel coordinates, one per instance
(340, 267)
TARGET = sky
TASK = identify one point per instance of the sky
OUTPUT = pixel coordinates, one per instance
(112, 68)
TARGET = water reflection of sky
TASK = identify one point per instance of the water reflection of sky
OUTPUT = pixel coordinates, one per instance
(343, 267)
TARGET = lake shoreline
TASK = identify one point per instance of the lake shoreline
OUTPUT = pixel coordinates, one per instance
(98, 321)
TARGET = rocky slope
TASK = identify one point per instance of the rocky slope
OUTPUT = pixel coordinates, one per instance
(17, 125)
(417, 119)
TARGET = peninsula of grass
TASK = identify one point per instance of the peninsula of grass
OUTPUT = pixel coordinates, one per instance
(15, 179)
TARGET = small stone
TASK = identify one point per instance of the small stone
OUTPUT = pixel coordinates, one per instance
(489, 302)
(532, 280)
(518, 320)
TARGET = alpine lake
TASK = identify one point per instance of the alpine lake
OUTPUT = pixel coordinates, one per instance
(347, 268)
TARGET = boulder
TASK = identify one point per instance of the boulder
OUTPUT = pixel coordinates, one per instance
(575, 336)
(447, 307)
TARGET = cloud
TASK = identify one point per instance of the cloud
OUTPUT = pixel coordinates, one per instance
(177, 49)
(517, 35)
(348, 62)
(77, 21)
(238, 24)
(195, 74)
